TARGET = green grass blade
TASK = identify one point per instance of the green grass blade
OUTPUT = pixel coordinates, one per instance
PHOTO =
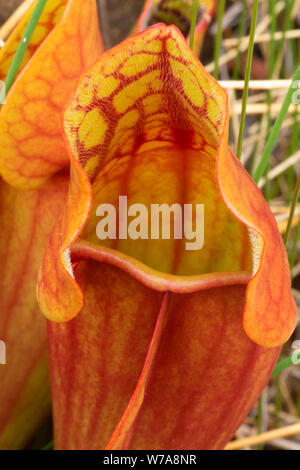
(241, 33)
(48, 446)
(284, 364)
(22, 47)
(193, 23)
(247, 78)
(292, 211)
(221, 10)
(276, 129)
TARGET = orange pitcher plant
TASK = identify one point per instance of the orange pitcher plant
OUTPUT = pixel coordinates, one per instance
(156, 343)
(34, 166)
(179, 13)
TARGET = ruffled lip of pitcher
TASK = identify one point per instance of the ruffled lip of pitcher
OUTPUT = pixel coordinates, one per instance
(159, 281)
